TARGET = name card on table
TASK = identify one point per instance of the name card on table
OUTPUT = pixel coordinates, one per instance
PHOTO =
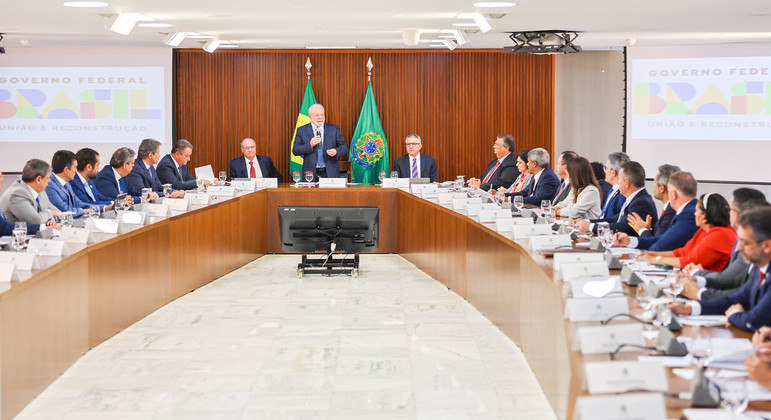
(576, 257)
(180, 204)
(595, 286)
(75, 235)
(473, 208)
(425, 190)
(244, 185)
(476, 200)
(194, 199)
(265, 183)
(579, 310)
(332, 182)
(614, 377)
(102, 225)
(157, 210)
(489, 216)
(131, 217)
(396, 183)
(220, 191)
(22, 260)
(607, 338)
(573, 270)
(524, 231)
(540, 242)
(445, 198)
(46, 247)
(642, 406)
(459, 204)
(6, 272)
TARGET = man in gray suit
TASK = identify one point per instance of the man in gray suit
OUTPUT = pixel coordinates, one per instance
(26, 200)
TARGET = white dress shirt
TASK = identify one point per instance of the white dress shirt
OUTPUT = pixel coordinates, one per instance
(257, 171)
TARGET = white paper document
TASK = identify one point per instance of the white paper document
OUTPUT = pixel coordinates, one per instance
(205, 172)
(704, 320)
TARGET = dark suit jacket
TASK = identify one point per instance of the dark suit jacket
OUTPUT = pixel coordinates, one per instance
(613, 207)
(504, 176)
(80, 192)
(238, 168)
(680, 231)
(605, 187)
(561, 195)
(642, 204)
(427, 167)
(661, 226)
(107, 185)
(547, 186)
(167, 173)
(724, 283)
(64, 198)
(141, 177)
(332, 140)
(6, 227)
(755, 299)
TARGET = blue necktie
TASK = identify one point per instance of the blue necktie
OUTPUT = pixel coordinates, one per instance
(320, 151)
(121, 186)
(607, 203)
(37, 200)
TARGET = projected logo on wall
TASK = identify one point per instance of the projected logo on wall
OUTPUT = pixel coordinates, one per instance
(704, 99)
(89, 104)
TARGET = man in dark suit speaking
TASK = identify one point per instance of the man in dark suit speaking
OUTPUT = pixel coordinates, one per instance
(319, 144)
(252, 165)
(415, 164)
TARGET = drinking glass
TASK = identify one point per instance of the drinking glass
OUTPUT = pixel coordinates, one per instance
(663, 316)
(66, 219)
(96, 211)
(19, 232)
(296, 176)
(308, 176)
(674, 282)
(644, 295)
(460, 181)
(733, 395)
(381, 175)
(701, 347)
(120, 203)
(223, 176)
(519, 202)
(394, 174)
(146, 194)
(545, 207)
(166, 190)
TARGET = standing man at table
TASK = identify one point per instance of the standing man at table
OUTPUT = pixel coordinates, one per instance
(415, 164)
(319, 144)
(252, 165)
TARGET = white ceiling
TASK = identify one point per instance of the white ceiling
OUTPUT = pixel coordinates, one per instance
(379, 24)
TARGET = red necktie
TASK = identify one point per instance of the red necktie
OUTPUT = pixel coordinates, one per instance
(489, 174)
(252, 172)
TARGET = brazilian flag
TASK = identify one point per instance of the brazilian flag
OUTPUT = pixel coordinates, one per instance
(296, 162)
(369, 148)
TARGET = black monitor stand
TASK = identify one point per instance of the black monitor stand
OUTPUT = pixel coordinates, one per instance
(328, 265)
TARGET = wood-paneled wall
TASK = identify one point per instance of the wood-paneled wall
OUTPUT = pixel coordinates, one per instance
(456, 101)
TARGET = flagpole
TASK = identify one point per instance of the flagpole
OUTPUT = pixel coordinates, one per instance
(369, 69)
(308, 66)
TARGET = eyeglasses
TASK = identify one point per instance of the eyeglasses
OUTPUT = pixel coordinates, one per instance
(412, 144)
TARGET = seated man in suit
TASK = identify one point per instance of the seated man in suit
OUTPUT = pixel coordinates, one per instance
(172, 169)
(63, 166)
(143, 173)
(502, 170)
(26, 200)
(83, 182)
(750, 307)
(252, 165)
(631, 184)
(562, 171)
(415, 164)
(682, 198)
(644, 227)
(320, 144)
(545, 182)
(6, 227)
(599, 173)
(111, 180)
(614, 200)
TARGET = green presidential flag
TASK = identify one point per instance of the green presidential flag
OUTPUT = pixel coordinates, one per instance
(369, 148)
(296, 162)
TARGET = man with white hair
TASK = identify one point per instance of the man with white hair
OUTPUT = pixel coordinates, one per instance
(320, 144)
(252, 165)
(545, 182)
(415, 164)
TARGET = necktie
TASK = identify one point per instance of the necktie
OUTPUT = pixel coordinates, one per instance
(414, 167)
(37, 200)
(153, 174)
(252, 172)
(607, 202)
(320, 152)
(761, 278)
(88, 190)
(179, 171)
(490, 174)
(70, 201)
(559, 192)
(120, 186)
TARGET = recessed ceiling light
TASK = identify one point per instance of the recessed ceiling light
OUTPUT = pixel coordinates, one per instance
(495, 4)
(154, 25)
(85, 4)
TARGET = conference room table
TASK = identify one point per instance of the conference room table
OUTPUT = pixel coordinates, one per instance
(59, 311)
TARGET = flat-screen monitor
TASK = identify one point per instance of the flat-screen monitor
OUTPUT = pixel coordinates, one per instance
(311, 229)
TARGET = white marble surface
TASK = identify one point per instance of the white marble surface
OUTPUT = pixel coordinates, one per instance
(259, 343)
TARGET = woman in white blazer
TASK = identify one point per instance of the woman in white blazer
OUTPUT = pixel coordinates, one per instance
(584, 199)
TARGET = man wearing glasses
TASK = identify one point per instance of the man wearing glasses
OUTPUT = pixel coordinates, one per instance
(414, 164)
(502, 170)
(252, 165)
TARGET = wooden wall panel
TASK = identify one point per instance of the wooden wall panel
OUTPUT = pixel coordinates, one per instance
(456, 101)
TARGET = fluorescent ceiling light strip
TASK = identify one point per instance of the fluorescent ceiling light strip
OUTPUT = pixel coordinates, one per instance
(212, 45)
(123, 23)
(479, 19)
(447, 43)
(175, 38)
